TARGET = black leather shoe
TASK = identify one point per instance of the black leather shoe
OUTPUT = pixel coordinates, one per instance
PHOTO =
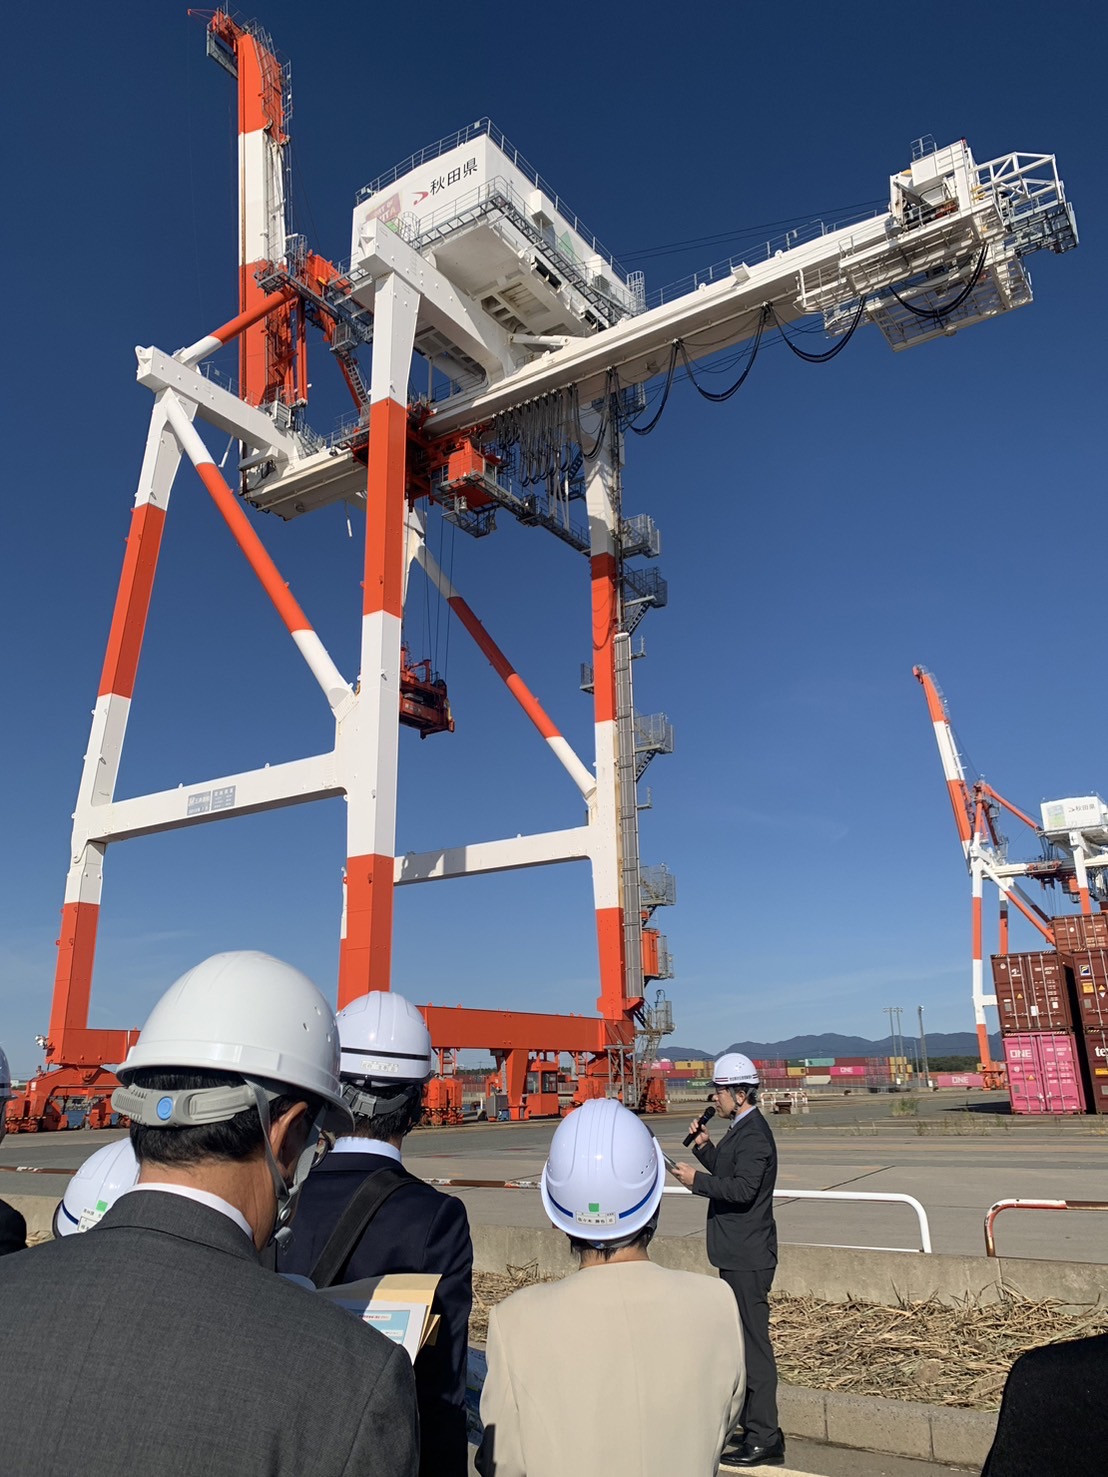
(754, 1454)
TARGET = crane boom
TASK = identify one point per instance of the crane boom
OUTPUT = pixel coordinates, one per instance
(966, 221)
(961, 801)
(570, 329)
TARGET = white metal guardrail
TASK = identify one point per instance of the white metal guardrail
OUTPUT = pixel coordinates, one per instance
(994, 1210)
(890, 1197)
(871, 1195)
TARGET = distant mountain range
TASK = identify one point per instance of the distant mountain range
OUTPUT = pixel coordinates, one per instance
(939, 1043)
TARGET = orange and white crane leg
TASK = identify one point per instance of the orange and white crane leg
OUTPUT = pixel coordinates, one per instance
(515, 684)
(979, 999)
(369, 738)
(602, 503)
(81, 909)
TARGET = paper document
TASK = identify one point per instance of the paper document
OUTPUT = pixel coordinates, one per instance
(397, 1304)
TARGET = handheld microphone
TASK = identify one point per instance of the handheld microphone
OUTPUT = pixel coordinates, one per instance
(701, 1122)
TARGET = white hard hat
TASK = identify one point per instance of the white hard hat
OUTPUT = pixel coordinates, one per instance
(95, 1187)
(254, 1017)
(385, 1045)
(733, 1067)
(605, 1173)
(244, 1013)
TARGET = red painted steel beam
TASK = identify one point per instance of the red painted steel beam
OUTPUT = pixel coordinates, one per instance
(506, 1030)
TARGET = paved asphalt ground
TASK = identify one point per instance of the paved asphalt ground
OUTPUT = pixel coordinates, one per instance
(957, 1156)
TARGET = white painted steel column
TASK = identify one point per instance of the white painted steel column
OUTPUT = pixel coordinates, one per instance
(368, 738)
(602, 501)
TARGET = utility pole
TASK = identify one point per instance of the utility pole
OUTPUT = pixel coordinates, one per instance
(890, 1011)
(923, 1049)
(898, 1038)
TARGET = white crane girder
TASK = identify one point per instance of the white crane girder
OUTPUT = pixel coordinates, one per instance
(952, 225)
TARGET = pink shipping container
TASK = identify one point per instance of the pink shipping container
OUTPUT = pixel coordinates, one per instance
(1095, 1046)
(851, 1071)
(1043, 1074)
(959, 1079)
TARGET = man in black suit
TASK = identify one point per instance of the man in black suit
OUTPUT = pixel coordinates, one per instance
(738, 1179)
(1054, 1417)
(195, 1358)
(412, 1227)
(13, 1228)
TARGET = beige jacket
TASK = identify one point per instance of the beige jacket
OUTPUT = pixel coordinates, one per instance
(625, 1370)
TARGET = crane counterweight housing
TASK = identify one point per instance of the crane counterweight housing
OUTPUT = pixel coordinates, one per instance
(500, 234)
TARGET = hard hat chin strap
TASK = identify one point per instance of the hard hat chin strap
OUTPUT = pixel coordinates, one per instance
(287, 1194)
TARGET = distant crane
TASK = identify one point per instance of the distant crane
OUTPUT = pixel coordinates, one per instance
(1073, 837)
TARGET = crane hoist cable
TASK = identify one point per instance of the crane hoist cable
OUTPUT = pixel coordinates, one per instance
(669, 248)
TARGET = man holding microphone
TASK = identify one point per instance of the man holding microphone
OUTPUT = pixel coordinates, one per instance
(738, 1178)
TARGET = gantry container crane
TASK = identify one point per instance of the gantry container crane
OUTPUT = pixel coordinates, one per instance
(1073, 838)
(537, 346)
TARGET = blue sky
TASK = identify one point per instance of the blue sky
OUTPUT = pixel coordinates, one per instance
(825, 530)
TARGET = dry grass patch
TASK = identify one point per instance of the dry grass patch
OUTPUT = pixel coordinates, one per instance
(958, 1356)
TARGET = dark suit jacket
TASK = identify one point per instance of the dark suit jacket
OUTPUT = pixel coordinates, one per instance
(742, 1173)
(13, 1228)
(417, 1229)
(185, 1357)
(1054, 1416)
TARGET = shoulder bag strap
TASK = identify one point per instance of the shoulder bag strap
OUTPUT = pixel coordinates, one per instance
(364, 1205)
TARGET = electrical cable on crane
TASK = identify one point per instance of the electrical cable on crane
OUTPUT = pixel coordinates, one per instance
(718, 397)
(938, 314)
(828, 354)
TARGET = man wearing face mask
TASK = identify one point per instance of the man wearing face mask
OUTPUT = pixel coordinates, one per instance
(194, 1357)
(738, 1178)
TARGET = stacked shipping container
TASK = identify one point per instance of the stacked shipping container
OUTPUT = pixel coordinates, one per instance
(1083, 944)
(1036, 1024)
(1054, 1019)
